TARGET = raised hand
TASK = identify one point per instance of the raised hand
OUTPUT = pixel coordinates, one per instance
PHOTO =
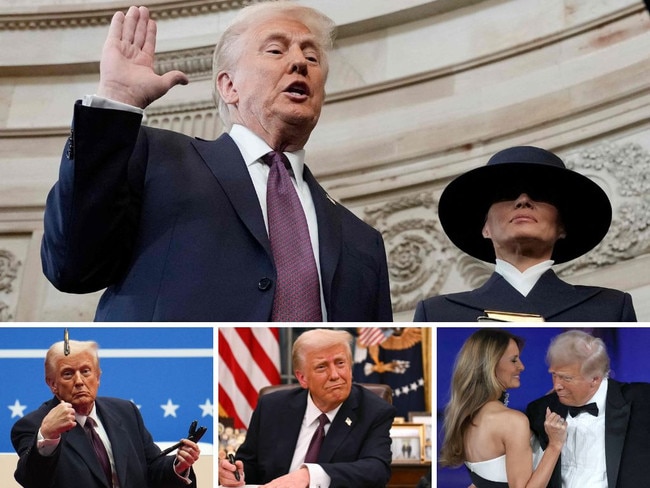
(58, 420)
(127, 64)
(555, 427)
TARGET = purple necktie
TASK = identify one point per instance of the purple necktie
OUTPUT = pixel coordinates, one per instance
(317, 440)
(99, 448)
(297, 293)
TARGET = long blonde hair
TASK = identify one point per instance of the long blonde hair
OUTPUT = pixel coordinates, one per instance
(474, 383)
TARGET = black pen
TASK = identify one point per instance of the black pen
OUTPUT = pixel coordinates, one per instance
(231, 458)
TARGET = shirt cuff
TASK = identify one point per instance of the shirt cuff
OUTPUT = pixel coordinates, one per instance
(318, 478)
(46, 447)
(101, 102)
(185, 476)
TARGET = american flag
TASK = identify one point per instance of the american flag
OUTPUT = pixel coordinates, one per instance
(249, 359)
(370, 336)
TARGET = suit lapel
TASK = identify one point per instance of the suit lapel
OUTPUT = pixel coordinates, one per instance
(617, 415)
(78, 441)
(227, 165)
(344, 422)
(329, 233)
(289, 422)
(118, 436)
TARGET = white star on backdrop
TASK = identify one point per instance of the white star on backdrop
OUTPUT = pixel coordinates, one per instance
(169, 408)
(17, 410)
(206, 408)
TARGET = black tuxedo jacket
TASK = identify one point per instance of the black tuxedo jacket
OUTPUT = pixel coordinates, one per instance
(172, 226)
(552, 298)
(627, 432)
(356, 450)
(73, 463)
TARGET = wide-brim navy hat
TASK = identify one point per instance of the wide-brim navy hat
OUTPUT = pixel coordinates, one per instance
(584, 209)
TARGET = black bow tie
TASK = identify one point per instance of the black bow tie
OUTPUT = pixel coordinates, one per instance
(591, 408)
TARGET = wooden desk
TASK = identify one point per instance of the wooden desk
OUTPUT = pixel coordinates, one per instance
(407, 475)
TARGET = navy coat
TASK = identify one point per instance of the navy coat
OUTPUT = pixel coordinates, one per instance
(73, 463)
(552, 298)
(355, 452)
(172, 226)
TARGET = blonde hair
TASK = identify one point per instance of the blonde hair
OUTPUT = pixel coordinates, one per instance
(56, 352)
(319, 339)
(578, 346)
(229, 49)
(474, 383)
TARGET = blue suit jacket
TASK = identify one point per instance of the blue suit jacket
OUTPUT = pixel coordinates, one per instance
(355, 452)
(73, 463)
(173, 227)
(627, 432)
(552, 298)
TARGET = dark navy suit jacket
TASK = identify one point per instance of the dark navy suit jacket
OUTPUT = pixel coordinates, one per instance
(552, 298)
(73, 463)
(627, 432)
(173, 227)
(355, 452)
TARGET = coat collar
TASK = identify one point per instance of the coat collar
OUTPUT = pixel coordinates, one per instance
(549, 297)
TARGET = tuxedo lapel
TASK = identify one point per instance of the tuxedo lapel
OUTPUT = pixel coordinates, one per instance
(329, 233)
(228, 167)
(617, 416)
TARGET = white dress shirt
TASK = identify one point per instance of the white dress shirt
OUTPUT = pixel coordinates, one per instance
(583, 453)
(252, 148)
(318, 478)
(522, 282)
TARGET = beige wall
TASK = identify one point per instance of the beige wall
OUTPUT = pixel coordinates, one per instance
(203, 468)
(419, 92)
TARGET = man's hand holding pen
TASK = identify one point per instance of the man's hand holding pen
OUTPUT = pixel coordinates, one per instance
(231, 472)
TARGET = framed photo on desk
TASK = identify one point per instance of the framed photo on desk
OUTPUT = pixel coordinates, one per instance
(425, 419)
(407, 443)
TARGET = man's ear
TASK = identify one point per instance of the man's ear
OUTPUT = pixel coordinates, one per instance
(301, 379)
(485, 231)
(226, 88)
(51, 384)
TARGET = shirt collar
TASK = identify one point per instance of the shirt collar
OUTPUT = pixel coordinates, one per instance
(522, 282)
(252, 148)
(313, 412)
(81, 419)
(600, 397)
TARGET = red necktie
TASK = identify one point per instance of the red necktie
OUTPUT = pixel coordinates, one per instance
(99, 448)
(317, 440)
(297, 293)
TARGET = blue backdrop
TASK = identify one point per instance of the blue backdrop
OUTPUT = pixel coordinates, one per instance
(151, 366)
(628, 350)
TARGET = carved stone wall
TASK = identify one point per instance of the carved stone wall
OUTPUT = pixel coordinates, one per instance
(419, 92)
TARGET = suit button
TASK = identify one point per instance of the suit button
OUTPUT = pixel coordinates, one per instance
(264, 284)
